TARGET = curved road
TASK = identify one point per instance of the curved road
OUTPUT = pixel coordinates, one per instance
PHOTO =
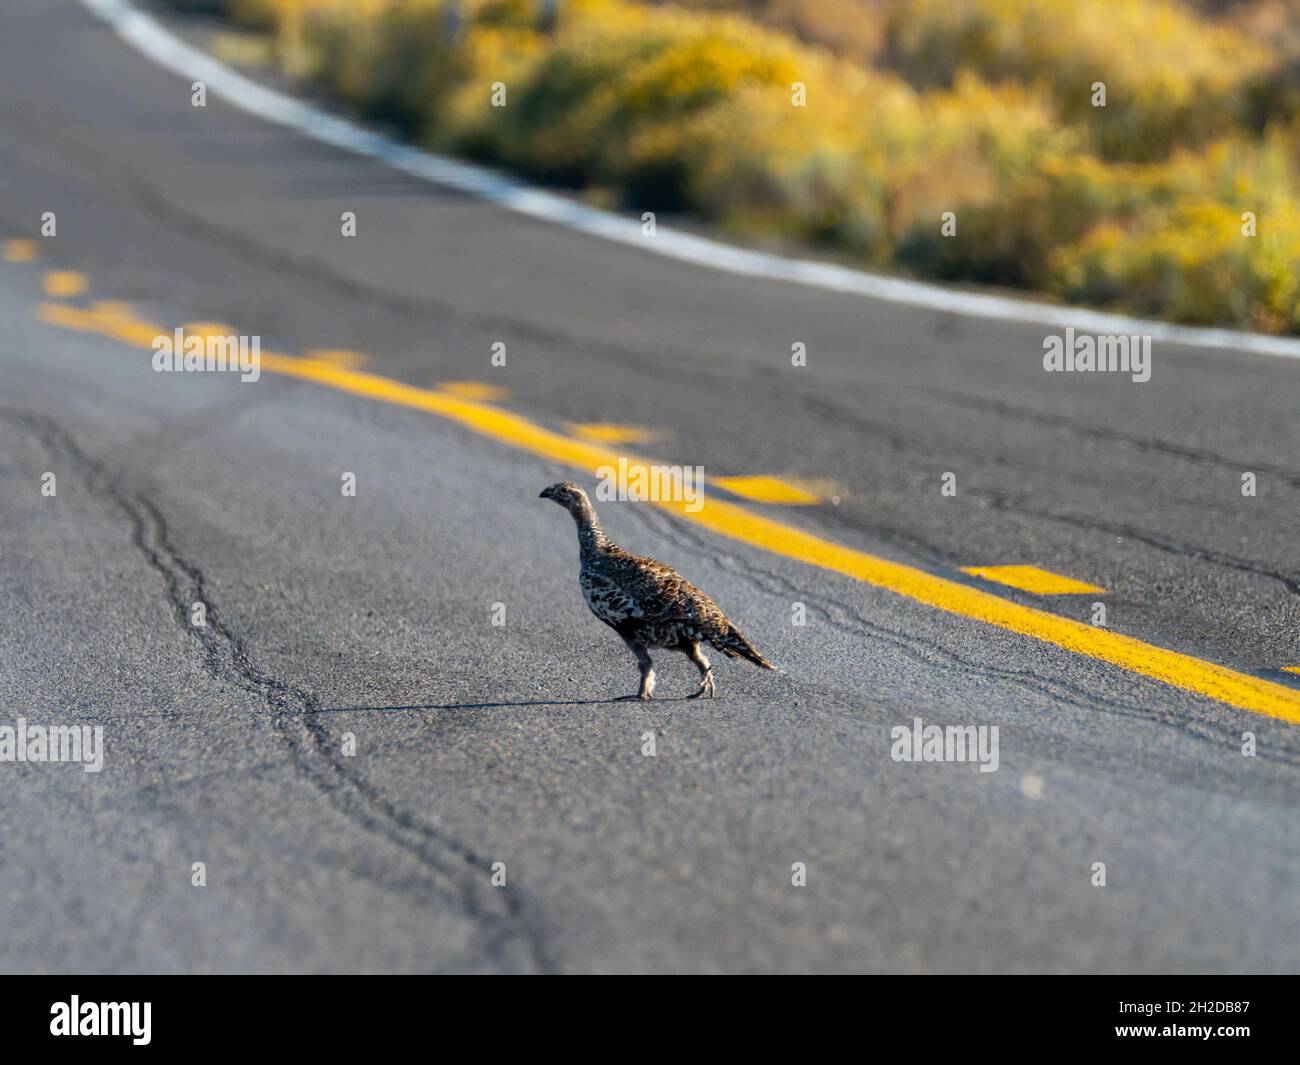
(367, 619)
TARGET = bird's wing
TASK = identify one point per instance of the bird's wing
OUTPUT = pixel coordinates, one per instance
(656, 594)
(608, 600)
(661, 593)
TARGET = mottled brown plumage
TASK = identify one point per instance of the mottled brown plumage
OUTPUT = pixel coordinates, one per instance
(647, 603)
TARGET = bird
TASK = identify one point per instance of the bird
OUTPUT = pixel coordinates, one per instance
(646, 602)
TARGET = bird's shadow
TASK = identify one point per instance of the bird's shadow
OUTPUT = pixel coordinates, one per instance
(485, 706)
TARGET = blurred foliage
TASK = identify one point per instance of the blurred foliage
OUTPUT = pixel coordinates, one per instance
(980, 107)
(1171, 78)
(1192, 265)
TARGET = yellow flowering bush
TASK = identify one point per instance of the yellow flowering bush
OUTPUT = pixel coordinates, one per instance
(1171, 77)
(1137, 205)
(1195, 264)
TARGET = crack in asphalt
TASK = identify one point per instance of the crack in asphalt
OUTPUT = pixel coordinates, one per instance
(1004, 503)
(459, 870)
(930, 654)
(1058, 421)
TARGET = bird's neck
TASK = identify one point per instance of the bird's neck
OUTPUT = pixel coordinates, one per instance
(591, 536)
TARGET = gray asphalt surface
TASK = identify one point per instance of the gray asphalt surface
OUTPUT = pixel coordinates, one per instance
(478, 744)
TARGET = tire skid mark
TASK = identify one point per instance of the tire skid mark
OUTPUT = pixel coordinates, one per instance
(459, 870)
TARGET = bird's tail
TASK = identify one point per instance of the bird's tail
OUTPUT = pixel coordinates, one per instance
(734, 644)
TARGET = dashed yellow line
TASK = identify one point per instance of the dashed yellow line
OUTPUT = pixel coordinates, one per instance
(609, 433)
(763, 489)
(115, 320)
(1241, 690)
(112, 308)
(21, 250)
(63, 283)
(349, 360)
(1034, 580)
(479, 391)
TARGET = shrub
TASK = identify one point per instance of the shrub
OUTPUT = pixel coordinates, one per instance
(1193, 264)
(1171, 78)
(682, 110)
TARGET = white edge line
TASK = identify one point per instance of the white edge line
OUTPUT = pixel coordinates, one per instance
(147, 36)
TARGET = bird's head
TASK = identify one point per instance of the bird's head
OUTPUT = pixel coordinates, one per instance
(569, 495)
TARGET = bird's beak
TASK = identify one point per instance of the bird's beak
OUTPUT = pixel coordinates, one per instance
(545, 493)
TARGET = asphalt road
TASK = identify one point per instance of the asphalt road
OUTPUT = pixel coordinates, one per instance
(370, 615)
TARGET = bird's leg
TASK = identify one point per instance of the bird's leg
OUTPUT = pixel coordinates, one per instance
(647, 672)
(706, 673)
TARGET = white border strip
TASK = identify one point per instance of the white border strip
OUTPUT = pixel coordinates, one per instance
(148, 36)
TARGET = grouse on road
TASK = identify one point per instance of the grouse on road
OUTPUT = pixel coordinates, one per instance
(647, 603)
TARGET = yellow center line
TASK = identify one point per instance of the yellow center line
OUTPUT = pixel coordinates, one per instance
(476, 390)
(63, 283)
(610, 433)
(1034, 580)
(1242, 690)
(764, 489)
(351, 360)
(21, 250)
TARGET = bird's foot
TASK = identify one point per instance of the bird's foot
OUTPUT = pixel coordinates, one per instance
(707, 687)
(633, 698)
